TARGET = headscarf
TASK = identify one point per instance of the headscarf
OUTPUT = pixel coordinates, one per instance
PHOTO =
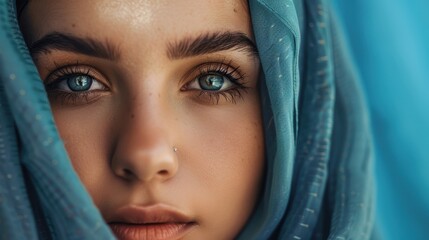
(318, 180)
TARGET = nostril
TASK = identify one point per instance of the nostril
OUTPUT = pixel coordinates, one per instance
(127, 173)
(163, 172)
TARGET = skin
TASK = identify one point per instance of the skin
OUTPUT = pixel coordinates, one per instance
(120, 137)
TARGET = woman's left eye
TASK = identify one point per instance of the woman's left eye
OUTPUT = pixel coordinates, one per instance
(211, 82)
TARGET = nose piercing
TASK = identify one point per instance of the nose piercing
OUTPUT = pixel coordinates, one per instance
(175, 149)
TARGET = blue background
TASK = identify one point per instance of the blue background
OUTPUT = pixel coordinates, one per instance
(389, 40)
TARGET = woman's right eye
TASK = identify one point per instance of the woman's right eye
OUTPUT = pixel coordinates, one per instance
(74, 85)
(77, 83)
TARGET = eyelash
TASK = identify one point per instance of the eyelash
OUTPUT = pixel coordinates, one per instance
(223, 69)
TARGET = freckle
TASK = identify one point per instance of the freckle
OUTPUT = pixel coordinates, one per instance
(73, 25)
(235, 10)
(132, 115)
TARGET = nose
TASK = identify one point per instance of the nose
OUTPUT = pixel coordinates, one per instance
(157, 163)
(143, 151)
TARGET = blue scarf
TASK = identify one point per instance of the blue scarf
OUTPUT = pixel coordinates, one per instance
(318, 148)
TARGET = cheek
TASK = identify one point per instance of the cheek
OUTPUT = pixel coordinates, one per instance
(227, 143)
(87, 135)
(225, 154)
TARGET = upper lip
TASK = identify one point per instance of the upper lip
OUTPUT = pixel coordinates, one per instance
(153, 214)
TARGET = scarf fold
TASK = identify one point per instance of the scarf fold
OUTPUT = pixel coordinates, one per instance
(319, 170)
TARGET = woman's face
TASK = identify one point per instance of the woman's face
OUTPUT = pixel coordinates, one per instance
(158, 107)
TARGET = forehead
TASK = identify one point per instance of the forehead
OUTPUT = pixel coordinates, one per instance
(144, 19)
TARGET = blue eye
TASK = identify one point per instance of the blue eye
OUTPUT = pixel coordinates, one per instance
(79, 83)
(76, 83)
(211, 82)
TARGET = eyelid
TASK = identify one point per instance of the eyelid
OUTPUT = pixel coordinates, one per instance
(74, 69)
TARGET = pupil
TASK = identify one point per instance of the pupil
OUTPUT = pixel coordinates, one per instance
(211, 82)
(79, 83)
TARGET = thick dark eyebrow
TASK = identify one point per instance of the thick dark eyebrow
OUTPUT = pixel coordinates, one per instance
(211, 42)
(70, 43)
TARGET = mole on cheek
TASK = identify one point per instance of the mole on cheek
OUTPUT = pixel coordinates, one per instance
(73, 25)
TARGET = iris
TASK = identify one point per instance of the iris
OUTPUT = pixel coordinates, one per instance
(79, 83)
(211, 82)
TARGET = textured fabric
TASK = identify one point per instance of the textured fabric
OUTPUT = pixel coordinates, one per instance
(319, 179)
(29, 140)
(319, 182)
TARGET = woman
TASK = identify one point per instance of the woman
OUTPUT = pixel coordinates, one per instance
(165, 131)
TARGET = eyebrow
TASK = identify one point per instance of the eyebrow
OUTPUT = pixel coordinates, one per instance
(211, 42)
(70, 43)
(203, 44)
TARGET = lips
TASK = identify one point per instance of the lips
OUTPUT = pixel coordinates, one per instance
(156, 222)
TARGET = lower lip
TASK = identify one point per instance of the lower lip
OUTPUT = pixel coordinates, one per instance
(155, 231)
